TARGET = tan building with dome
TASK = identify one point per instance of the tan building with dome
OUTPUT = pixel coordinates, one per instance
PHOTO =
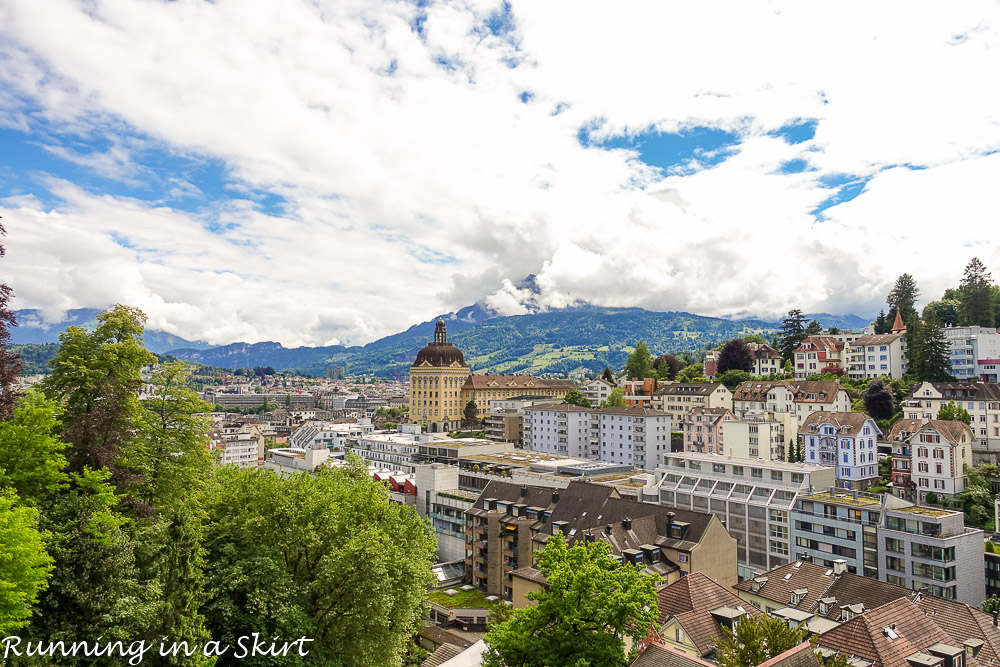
(441, 385)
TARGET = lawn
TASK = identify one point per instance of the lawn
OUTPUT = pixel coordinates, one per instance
(474, 599)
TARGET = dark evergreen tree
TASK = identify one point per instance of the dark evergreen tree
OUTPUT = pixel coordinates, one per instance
(667, 366)
(881, 324)
(735, 356)
(813, 328)
(793, 331)
(929, 351)
(879, 399)
(902, 298)
(608, 376)
(976, 296)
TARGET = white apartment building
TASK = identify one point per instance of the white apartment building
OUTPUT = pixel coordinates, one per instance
(558, 429)
(846, 440)
(975, 352)
(679, 398)
(332, 436)
(766, 359)
(630, 436)
(393, 449)
(797, 398)
(980, 399)
(878, 355)
(941, 454)
(756, 436)
(597, 391)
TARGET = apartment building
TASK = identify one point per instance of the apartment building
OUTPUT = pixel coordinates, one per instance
(559, 428)
(980, 399)
(931, 549)
(940, 456)
(766, 359)
(332, 436)
(845, 440)
(630, 436)
(879, 355)
(975, 352)
(508, 523)
(597, 391)
(836, 524)
(816, 353)
(797, 398)
(702, 429)
(752, 498)
(757, 436)
(899, 439)
(680, 398)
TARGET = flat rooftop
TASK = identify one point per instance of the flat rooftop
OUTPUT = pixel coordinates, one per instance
(846, 498)
(739, 461)
(920, 510)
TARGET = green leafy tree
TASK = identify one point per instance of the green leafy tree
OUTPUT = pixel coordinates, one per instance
(574, 397)
(879, 399)
(328, 556)
(735, 356)
(954, 413)
(691, 373)
(793, 332)
(616, 399)
(902, 298)
(733, 378)
(976, 296)
(813, 328)
(667, 366)
(991, 605)
(24, 564)
(11, 365)
(592, 604)
(947, 311)
(756, 640)
(96, 375)
(31, 456)
(640, 363)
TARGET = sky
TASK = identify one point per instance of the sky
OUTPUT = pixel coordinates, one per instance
(322, 172)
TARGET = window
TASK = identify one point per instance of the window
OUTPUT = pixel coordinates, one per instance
(757, 473)
(894, 545)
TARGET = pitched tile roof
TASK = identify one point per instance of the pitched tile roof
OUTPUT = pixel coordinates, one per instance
(963, 622)
(868, 636)
(691, 600)
(877, 339)
(479, 382)
(803, 391)
(956, 432)
(802, 655)
(634, 412)
(825, 345)
(855, 420)
(658, 655)
(687, 388)
(964, 390)
(904, 428)
(763, 351)
(441, 655)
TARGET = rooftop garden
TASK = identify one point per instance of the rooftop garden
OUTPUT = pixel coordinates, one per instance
(845, 498)
(474, 599)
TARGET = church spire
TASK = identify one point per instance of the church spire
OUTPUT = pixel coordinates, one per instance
(898, 326)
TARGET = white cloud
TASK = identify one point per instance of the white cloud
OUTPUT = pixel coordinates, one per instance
(416, 179)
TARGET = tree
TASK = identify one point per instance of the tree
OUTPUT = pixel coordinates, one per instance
(96, 375)
(902, 298)
(947, 311)
(608, 376)
(691, 372)
(471, 412)
(882, 324)
(592, 604)
(25, 566)
(991, 605)
(733, 379)
(735, 355)
(951, 412)
(10, 363)
(667, 366)
(756, 640)
(328, 556)
(574, 397)
(793, 332)
(977, 305)
(879, 399)
(640, 363)
(929, 350)
(813, 328)
(616, 399)
(31, 456)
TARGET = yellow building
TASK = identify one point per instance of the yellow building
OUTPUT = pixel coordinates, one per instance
(441, 385)
(436, 380)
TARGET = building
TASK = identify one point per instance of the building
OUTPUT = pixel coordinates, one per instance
(508, 523)
(597, 391)
(702, 430)
(879, 355)
(505, 419)
(285, 460)
(975, 353)
(630, 436)
(833, 525)
(694, 613)
(899, 439)
(752, 498)
(992, 561)
(332, 436)
(680, 398)
(484, 389)
(980, 399)
(756, 436)
(930, 549)
(816, 353)
(797, 398)
(766, 360)
(561, 428)
(845, 440)
(940, 456)
(638, 393)
(437, 376)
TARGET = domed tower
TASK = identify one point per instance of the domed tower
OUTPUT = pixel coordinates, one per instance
(436, 379)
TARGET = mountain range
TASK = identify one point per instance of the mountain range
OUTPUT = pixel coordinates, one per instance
(554, 341)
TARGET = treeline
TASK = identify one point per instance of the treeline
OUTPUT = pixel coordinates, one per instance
(116, 525)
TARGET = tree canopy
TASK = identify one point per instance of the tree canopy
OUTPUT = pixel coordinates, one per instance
(640, 363)
(793, 332)
(902, 298)
(735, 356)
(592, 603)
(879, 399)
(616, 399)
(976, 301)
(756, 640)
(574, 397)
(951, 412)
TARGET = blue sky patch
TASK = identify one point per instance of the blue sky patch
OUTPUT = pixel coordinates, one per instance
(846, 187)
(709, 146)
(797, 132)
(796, 166)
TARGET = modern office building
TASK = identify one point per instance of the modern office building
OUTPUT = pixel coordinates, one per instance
(975, 352)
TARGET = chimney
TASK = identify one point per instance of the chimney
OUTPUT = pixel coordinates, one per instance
(670, 519)
(524, 490)
(995, 623)
(855, 494)
(806, 558)
(555, 497)
(839, 566)
(627, 523)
